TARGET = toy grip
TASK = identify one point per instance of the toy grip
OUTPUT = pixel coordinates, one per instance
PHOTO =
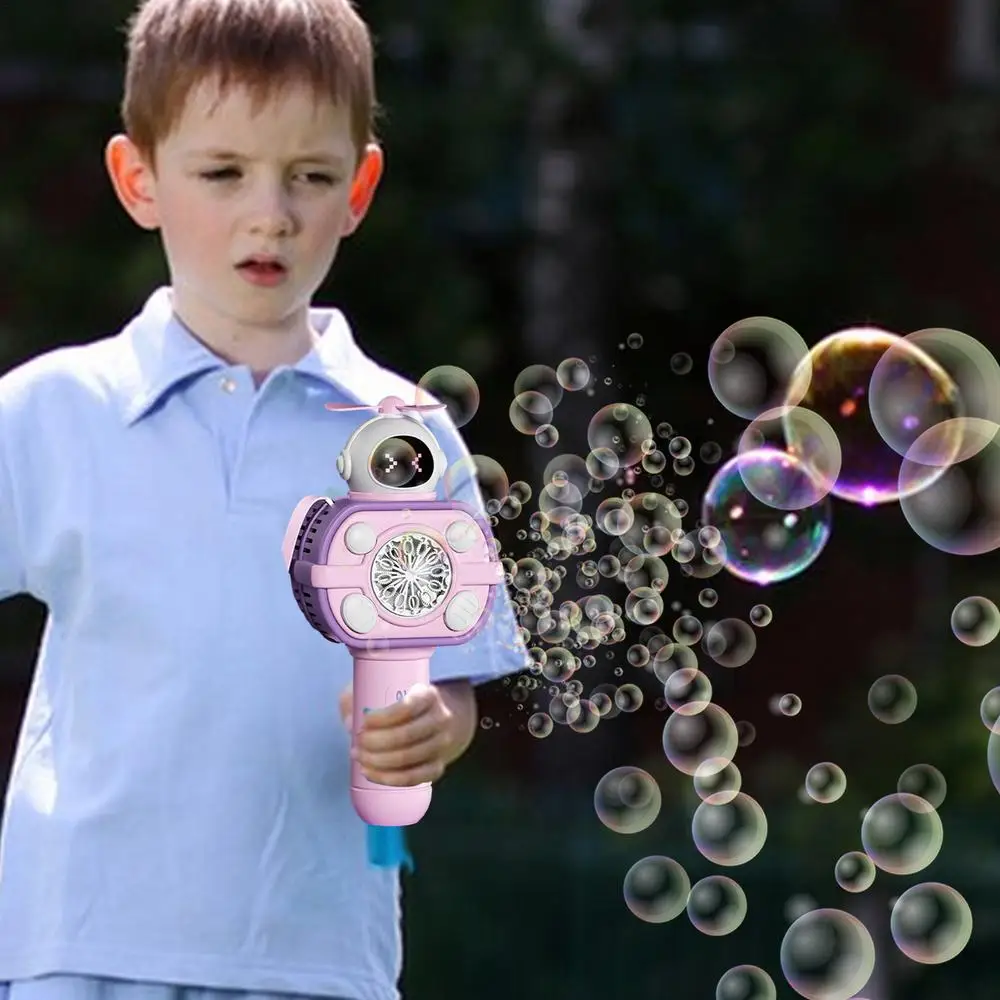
(382, 677)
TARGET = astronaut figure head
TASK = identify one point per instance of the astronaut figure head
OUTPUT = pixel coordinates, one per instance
(392, 454)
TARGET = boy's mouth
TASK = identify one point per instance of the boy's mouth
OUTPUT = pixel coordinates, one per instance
(263, 270)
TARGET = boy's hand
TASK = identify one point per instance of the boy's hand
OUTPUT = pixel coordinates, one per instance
(414, 740)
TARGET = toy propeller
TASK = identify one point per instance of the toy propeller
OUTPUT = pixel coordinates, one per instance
(388, 406)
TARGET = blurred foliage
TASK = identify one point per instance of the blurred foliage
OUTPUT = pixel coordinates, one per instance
(767, 160)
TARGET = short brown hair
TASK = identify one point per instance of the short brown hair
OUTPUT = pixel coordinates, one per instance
(173, 45)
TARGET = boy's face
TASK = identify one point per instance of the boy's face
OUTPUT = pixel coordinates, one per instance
(285, 191)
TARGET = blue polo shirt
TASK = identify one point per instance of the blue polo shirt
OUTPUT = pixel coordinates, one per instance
(178, 809)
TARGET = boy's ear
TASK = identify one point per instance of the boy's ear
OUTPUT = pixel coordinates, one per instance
(366, 179)
(133, 181)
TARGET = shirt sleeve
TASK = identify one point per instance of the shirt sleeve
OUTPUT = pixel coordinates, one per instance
(496, 649)
(12, 573)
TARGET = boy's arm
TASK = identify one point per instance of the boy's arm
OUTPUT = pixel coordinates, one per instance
(12, 577)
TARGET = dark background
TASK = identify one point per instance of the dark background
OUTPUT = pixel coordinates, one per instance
(561, 174)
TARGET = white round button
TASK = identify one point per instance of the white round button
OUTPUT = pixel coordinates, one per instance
(461, 535)
(359, 613)
(360, 538)
(463, 610)
(228, 385)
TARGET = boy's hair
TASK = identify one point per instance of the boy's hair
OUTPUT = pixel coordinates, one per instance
(173, 45)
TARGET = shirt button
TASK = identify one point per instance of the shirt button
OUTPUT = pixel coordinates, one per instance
(228, 385)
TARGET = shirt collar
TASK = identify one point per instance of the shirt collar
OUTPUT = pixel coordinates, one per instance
(160, 352)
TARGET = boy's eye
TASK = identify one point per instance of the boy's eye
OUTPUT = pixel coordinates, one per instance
(227, 173)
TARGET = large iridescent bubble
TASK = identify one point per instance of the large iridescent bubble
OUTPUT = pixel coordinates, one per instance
(827, 954)
(914, 394)
(766, 542)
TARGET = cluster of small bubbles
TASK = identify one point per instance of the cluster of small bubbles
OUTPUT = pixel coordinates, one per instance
(681, 363)
(854, 871)
(621, 428)
(454, 387)
(931, 923)
(645, 571)
(634, 341)
(745, 982)
(716, 905)
(880, 393)
(584, 716)
(708, 598)
(902, 833)
(628, 698)
(688, 691)
(573, 374)
(540, 725)
(510, 509)
(764, 542)
(730, 642)
(746, 732)
(655, 518)
(656, 889)
(925, 781)
(603, 696)
(627, 800)
(786, 704)
(751, 365)
(729, 833)
(692, 740)
(975, 621)
(989, 709)
(760, 615)
(825, 782)
(827, 954)
(892, 699)
(717, 785)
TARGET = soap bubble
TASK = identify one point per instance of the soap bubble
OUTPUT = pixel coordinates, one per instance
(643, 606)
(924, 781)
(729, 833)
(717, 785)
(547, 436)
(627, 800)
(751, 363)
(788, 704)
(681, 363)
(975, 621)
(573, 374)
(540, 725)
(622, 428)
(993, 756)
(486, 472)
(892, 699)
(931, 923)
(717, 905)
(690, 741)
(730, 642)
(760, 615)
(602, 464)
(854, 871)
(614, 516)
(957, 510)
(708, 598)
(834, 382)
(902, 833)
(989, 708)
(656, 889)
(688, 691)
(764, 545)
(454, 387)
(827, 955)
(825, 782)
(798, 905)
(539, 379)
(745, 982)
(529, 411)
(806, 436)
(670, 658)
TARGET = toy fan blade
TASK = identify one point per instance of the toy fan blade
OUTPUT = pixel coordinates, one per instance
(419, 409)
(349, 406)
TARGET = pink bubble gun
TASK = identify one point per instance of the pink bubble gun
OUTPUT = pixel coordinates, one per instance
(391, 572)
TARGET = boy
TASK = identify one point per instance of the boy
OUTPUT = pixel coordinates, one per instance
(178, 822)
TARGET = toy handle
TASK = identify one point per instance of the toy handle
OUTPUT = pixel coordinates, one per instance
(382, 677)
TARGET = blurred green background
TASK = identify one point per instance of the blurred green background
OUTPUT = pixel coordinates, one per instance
(562, 173)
